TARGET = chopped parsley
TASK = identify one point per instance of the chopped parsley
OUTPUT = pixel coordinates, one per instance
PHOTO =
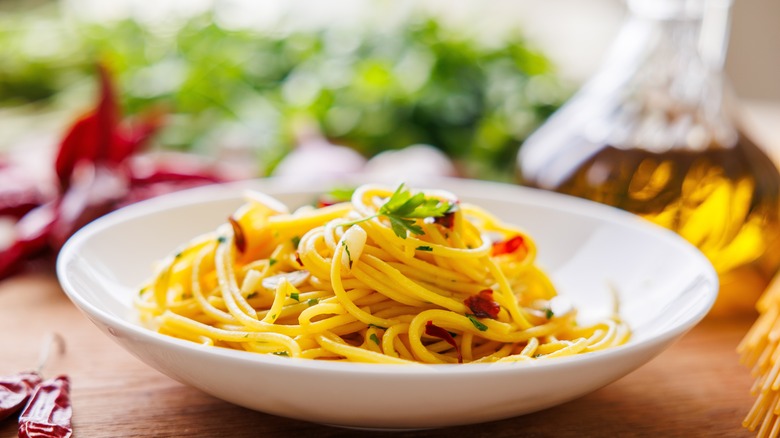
(377, 326)
(548, 313)
(296, 240)
(312, 301)
(281, 353)
(481, 327)
(374, 338)
(252, 295)
(272, 262)
(349, 256)
(295, 296)
(424, 248)
(221, 239)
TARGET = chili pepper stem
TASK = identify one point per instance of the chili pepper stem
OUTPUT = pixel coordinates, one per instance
(53, 340)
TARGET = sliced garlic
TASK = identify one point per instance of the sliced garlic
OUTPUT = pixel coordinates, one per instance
(561, 305)
(354, 240)
(295, 278)
(250, 283)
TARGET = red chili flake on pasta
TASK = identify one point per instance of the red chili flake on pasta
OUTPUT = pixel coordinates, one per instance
(432, 329)
(510, 246)
(482, 304)
(238, 235)
(298, 258)
(447, 220)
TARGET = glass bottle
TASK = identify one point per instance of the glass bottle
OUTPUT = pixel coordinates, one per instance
(653, 133)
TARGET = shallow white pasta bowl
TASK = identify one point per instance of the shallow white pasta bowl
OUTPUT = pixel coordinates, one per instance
(664, 285)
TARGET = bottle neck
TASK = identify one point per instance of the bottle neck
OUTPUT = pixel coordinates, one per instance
(700, 27)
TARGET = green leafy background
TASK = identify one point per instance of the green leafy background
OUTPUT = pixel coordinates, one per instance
(369, 88)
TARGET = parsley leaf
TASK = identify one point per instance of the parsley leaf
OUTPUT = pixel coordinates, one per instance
(402, 208)
(481, 327)
(295, 296)
(424, 248)
(374, 338)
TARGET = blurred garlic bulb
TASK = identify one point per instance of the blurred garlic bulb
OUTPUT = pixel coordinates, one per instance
(315, 159)
(416, 161)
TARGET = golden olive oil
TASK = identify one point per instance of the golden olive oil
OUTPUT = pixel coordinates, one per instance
(724, 200)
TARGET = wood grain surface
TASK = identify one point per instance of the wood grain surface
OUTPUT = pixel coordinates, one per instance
(695, 388)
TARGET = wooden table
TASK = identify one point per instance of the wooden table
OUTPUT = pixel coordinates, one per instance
(695, 388)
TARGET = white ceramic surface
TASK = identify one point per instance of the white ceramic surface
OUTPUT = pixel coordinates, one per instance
(664, 284)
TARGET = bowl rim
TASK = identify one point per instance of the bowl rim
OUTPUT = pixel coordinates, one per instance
(233, 191)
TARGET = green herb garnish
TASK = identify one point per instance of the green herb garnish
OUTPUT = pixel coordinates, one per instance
(349, 256)
(377, 326)
(342, 194)
(424, 248)
(295, 241)
(548, 313)
(295, 296)
(374, 338)
(271, 262)
(312, 301)
(481, 327)
(281, 353)
(252, 295)
(403, 209)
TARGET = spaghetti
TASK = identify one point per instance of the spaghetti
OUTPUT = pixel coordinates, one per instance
(384, 277)
(760, 350)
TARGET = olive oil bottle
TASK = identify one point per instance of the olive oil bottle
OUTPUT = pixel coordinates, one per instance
(653, 133)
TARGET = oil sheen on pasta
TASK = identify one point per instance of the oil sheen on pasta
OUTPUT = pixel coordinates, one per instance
(388, 276)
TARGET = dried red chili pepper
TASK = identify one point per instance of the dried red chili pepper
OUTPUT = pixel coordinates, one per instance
(94, 176)
(20, 192)
(15, 390)
(482, 304)
(238, 235)
(49, 411)
(434, 330)
(509, 246)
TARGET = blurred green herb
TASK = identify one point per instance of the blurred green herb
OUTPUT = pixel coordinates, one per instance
(369, 89)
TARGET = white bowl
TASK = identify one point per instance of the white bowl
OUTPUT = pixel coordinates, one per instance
(665, 287)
